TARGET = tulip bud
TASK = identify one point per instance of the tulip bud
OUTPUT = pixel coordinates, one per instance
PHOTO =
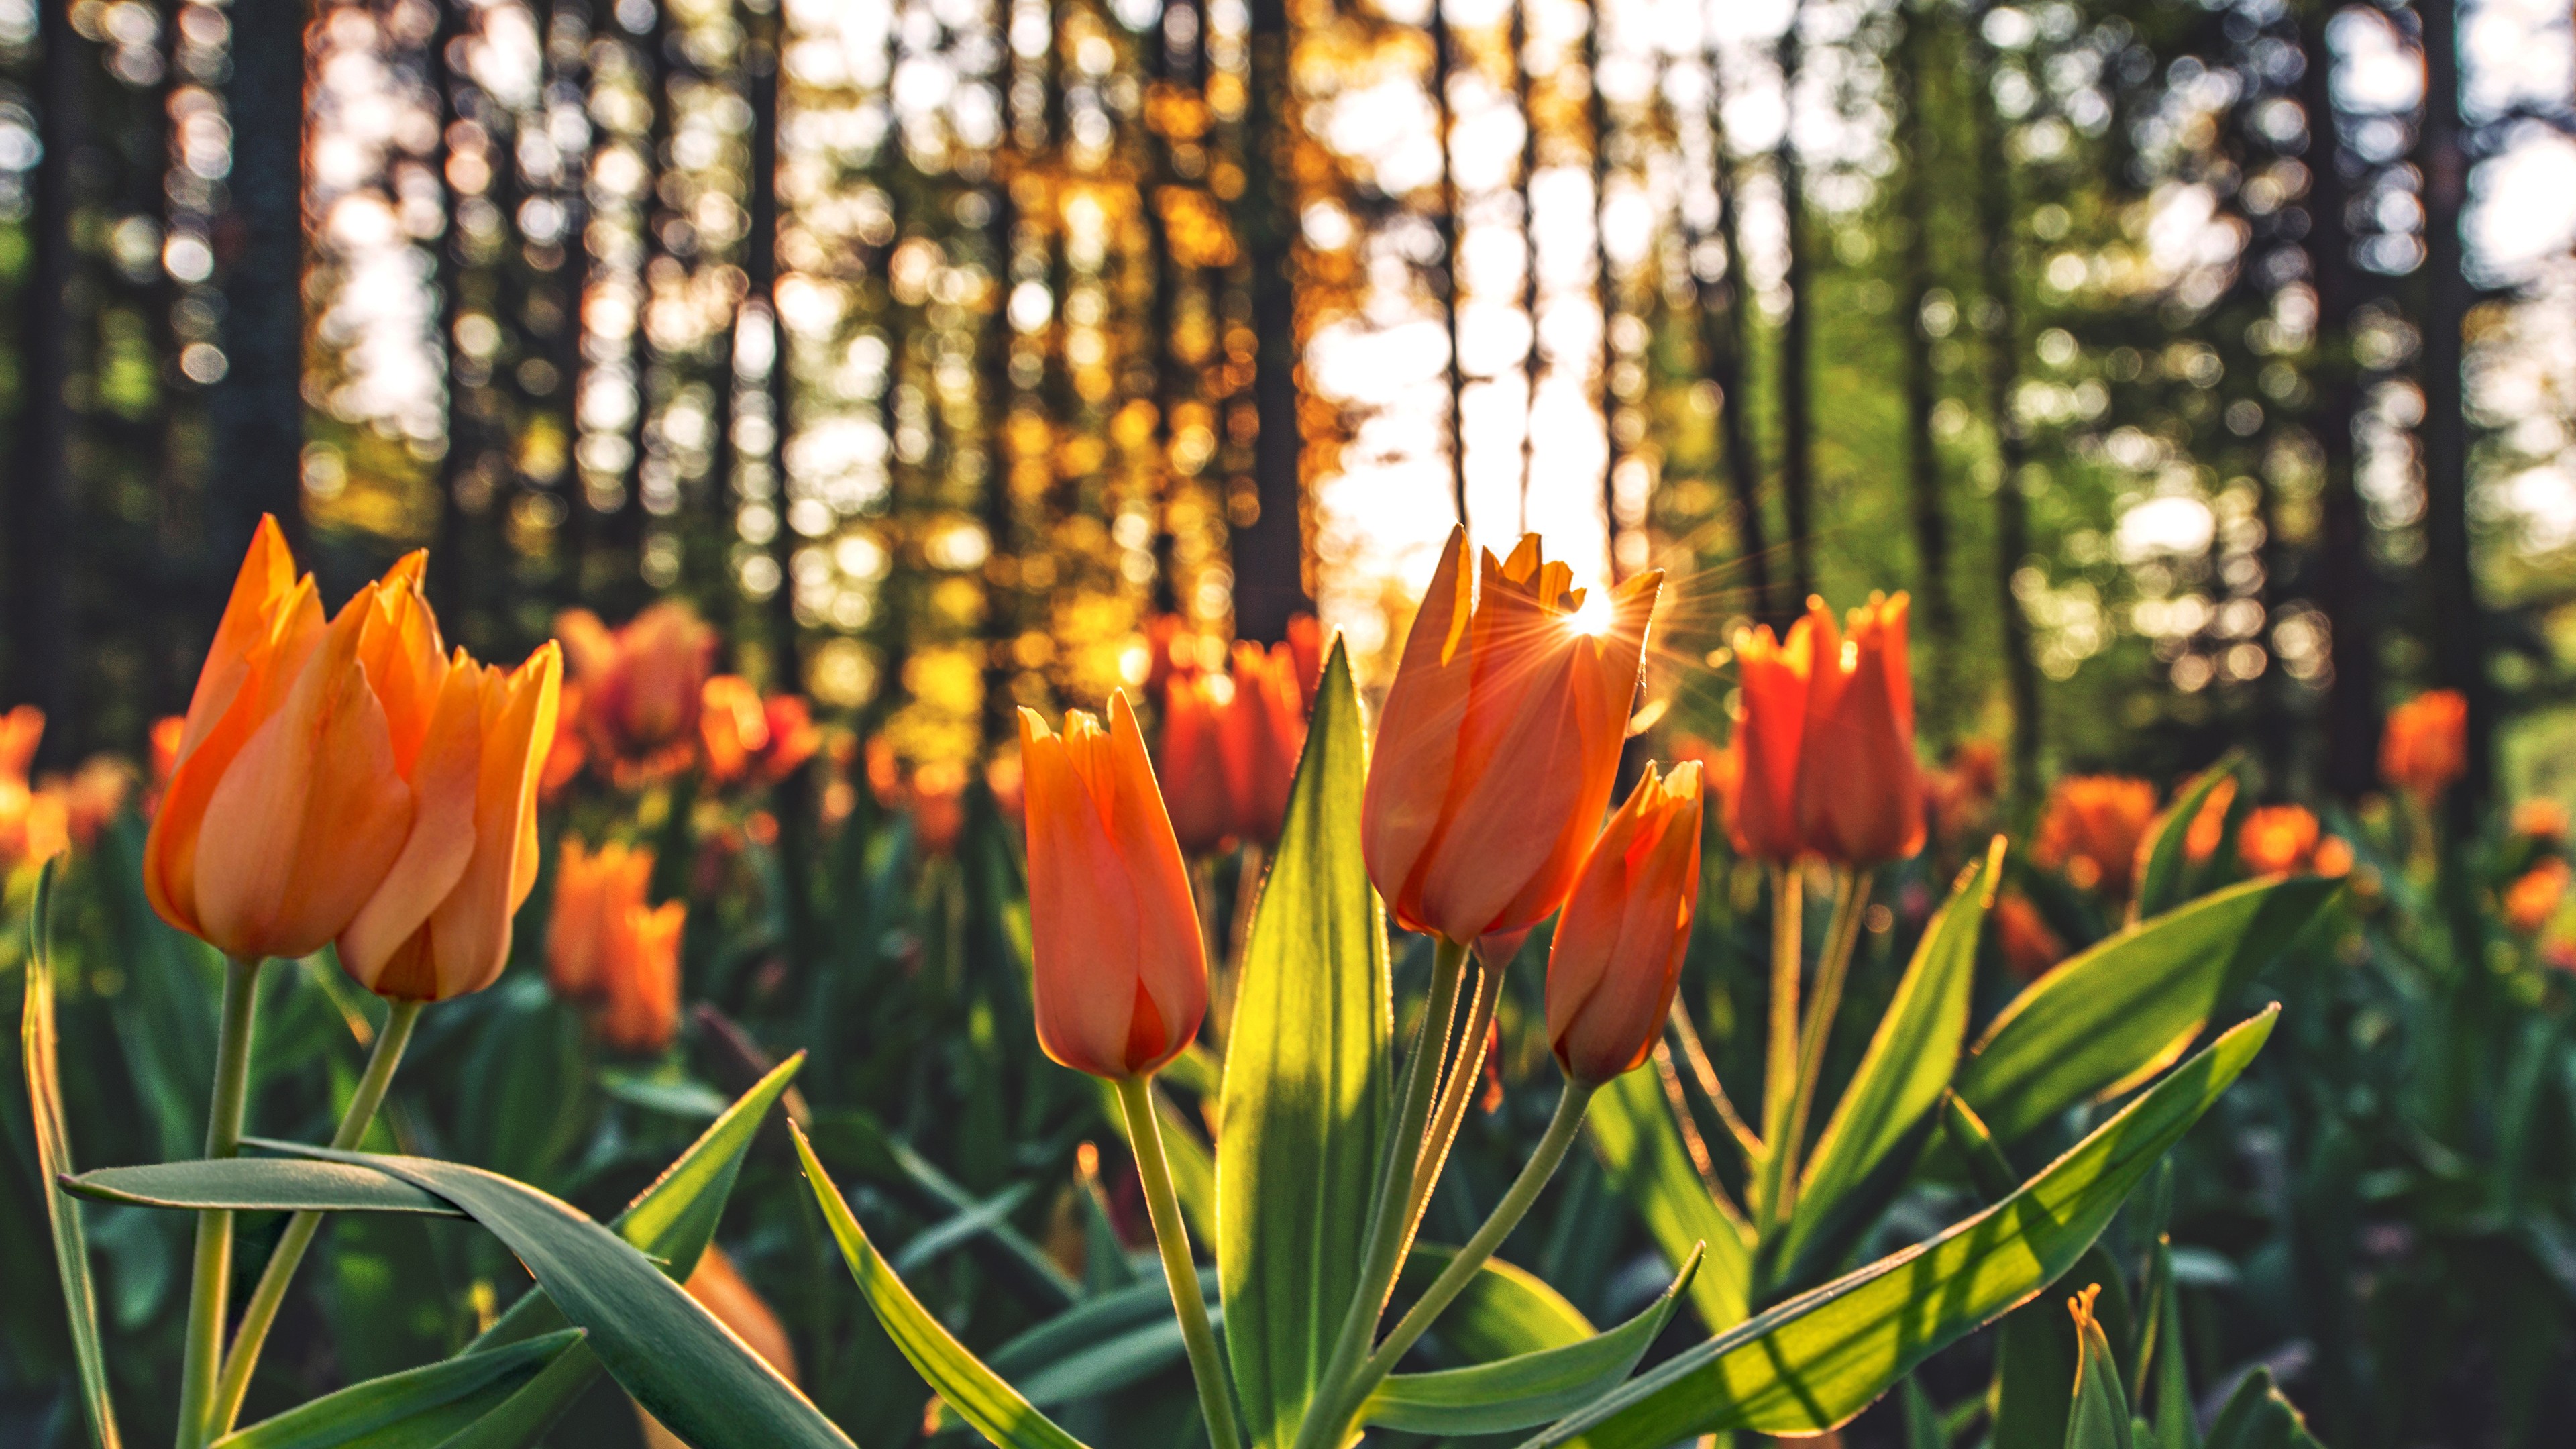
(1619, 946)
(2426, 744)
(1265, 729)
(1195, 705)
(639, 1006)
(1121, 969)
(1860, 800)
(1761, 780)
(1499, 742)
(592, 893)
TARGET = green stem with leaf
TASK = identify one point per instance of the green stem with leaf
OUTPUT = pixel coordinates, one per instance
(211, 1278)
(1780, 1167)
(1180, 1269)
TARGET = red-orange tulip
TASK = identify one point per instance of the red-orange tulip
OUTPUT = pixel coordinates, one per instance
(1500, 738)
(2091, 829)
(332, 769)
(642, 685)
(2531, 900)
(1770, 732)
(2426, 744)
(1121, 969)
(21, 730)
(639, 1005)
(1193, 764)
(2278, 839)
(1619, 946)
(2030, 948)
(593, 892)
(1860, 799)
(746, 736)
(1305, 644)
(1265, 728)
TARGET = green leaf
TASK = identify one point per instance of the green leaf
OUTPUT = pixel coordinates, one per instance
(2160, 882)
(1306, 1086)
(1632, 1132)
(1503, 1311)
(963, 1381)
(2108, 1018)
(259, 1184)
(2100, 1416)
(2257, 1417)
(54, 1158)
(886, 1158)
(418, 1407)
(1816, 1360)
(1902, 1075)
(676, 1360)
(1923, 1426)
(1095, 1320)
(525, 1416)
(1525, 1389)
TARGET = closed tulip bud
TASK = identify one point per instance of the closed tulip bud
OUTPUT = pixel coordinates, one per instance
(1499, 742)
(2426, 744)
(642, 685)
(1121, 969)
(639, 982)
(593, 892)
(1860, 799)
(1619, 946)
(1760, 782)
(1195, 707)
(1265, 728)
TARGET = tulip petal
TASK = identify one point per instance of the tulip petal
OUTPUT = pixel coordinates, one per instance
(1080, 899)
(434, 856)
(1416, 746)
(470, 929)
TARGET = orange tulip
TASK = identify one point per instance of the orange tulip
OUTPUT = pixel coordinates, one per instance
(2426, 744)
(641, 685)
(35, 824)
(1499, 741)
(1193, 764)
(2541, 819)
(745, 735)
(2200, 841)
(1860, 801)
(1958, 798)
(21, 730)
(1121, 969)
(2530, 901)
(1305, 644)
(1770, 731)
(639, 982)
(1264, 729)
(351, 776)
(1618, 949)
(2030, 948)
(568, 751)
(2091, 829)
(593, 892)
(2278, 840)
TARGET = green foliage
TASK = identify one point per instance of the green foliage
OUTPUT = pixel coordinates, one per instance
(416, 1409)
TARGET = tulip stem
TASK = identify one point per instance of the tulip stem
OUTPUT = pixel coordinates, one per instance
(1851, 894)
(210, 1283)
(1469, 1260)
(1780, 1058)
(1382, 1256)
(270, 1293)
(1465, 1072)
(1180, 1270)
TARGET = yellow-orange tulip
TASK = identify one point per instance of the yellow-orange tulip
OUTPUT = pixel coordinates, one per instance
(1264, 729)
(2091, 829)
(642, 685)
(639, 980)
(1860, 796)
(1619, 946)
(2533, 898)
(1761, 779)
(2426, 744)
(1499, 742)
(1121, 969)
(35, 824)
(1193, 764)
(593, 892)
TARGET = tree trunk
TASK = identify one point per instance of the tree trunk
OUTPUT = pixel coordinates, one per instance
(259, 406)
(40, 622)
(1721, 341)
(451, 584)
(2456, 630)
(1270, 547)
(2003, 362)
(1529, 250)
(1443, 60)
(1940, 623)
(1797, 423)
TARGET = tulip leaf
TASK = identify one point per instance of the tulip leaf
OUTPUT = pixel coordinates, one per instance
(2167, 849)
(259, 1184)
(54, 1157)
(415, 1409)
(1525, 1389)
(1307, 1081)
(669, 1353)
(2099, 1416)
(524, 1417)
(1631, 1127)
(964, 1382)
(1900, 1079)
(1816, 1360)
(887, 1159)
(1094, 1321)
(1504, 1311)
(2106, 1019)
(2258, 1417)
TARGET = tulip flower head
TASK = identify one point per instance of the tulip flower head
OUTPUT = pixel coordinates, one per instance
(1121, 969)
(2533, 898)
(351, 779)
(1499, 742)
(21, 730)
(35, 824)
(1193, 765)
(639, 995)
(747, 737)
(2426, 744)
(593, 892)
(1860, 800)
(2278, 840)
(1305, 644)
(2030, 948)
(642, 685)
(1618, 949)
(2091, 829)
(2540, 818)
(1770, 731)
(2209, 827)
(1264, 730)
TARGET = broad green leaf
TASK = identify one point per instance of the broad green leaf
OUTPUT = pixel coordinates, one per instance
(676, 1360)
(1903, 1074)
(886, 1158)
(2177, 1423)
(1816, 1360)
(672, 1095)
(2257, 1417)
(525, 1416)
(1525, 1389)
(1305, 1095)
(2160, 877)
(2107, 1018)
(54, 1159)
(1632, 1132)
(255, 1184)
(964, 1383)
(1504, 1310)
(1091, 1322)
(415, 1409)
(2100, 1416)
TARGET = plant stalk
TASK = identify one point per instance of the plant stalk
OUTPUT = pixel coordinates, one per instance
(1780, 1057)
(211, 1280)
(1453, 1280)
(270, 1293)
(1383, 1254)
(1180, 1270)
(1851, 893)
(1466, 1072)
